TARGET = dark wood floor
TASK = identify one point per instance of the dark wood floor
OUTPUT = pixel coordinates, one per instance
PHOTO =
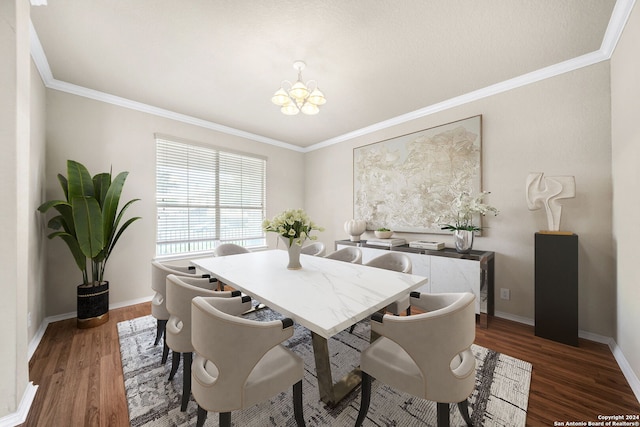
(79, 374)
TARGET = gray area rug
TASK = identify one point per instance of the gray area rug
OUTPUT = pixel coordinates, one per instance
(500, 397)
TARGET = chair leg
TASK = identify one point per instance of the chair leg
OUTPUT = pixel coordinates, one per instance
(202, 416)
(161, 325)
(464, 411)
(175, 362)
(366, 398)
(443, 414)
(352, 328)
(186, 380)
(225, 419)
(409, 311)
(165, 352)
(297, 404)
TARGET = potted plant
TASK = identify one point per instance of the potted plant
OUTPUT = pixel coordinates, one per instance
(383, 233)
(463, 209)
(89, 222)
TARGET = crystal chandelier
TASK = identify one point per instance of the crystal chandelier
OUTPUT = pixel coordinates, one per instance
(293, 98)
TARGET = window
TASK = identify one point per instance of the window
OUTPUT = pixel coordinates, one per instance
(205, 197)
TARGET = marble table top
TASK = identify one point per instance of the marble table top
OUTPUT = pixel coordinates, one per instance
(325, 296)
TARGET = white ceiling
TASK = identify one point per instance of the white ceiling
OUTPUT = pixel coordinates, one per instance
(218, 62)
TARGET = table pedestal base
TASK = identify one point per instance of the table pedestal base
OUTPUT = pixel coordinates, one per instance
(331, 393)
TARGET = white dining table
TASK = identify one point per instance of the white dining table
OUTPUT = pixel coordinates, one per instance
(325, 296)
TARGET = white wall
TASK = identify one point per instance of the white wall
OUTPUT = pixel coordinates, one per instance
(559, 126)
(37, 240)
(625, 107)
(14, 173)
(101, 135)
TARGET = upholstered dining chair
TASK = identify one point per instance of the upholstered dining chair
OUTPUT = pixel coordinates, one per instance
(228, 249)
(350, 254)
(159, 273)
(180, 292)
(426, 355)
(240, 362)
(394, 261)
(315, 249)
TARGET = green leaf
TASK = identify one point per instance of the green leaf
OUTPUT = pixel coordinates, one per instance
(80, 182)
(66, 212)
(101, 184)
(56, 223)
(87, 217)
(64, 184)
(110, 206)
(50, 204)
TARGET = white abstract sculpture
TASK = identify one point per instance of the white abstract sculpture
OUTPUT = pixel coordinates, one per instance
(355, 228)
(546, 191)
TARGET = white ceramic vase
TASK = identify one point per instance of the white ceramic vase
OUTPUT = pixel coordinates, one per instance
(355, 228)
(294, 254)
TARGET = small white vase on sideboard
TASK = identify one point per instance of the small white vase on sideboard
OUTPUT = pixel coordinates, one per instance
(355, 228)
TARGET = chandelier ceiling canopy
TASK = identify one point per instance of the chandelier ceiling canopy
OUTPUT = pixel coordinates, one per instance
(297, 97)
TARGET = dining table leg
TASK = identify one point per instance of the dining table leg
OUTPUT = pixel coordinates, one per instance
(331, 393)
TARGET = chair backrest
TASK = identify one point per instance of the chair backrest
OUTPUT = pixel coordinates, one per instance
(315, 249)
(394, 261)
(234, 345)
(350, 254)
(159, 273)
(439, 342)
(180, 291)
(229, 249)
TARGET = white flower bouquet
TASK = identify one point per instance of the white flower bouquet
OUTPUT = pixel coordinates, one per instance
(464, 208)
(292, 224)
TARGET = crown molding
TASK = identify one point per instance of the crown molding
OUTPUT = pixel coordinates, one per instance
(619, 17)
(495, 89)
(42, 65)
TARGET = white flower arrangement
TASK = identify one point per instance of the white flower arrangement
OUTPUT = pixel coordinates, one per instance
(464, 208)
(292, 224)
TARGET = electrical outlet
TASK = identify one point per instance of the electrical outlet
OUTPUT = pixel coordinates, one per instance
(505, 294)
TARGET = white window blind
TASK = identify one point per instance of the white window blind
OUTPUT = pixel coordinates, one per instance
(206, 197)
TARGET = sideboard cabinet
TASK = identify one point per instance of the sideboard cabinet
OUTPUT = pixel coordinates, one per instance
(447, 271)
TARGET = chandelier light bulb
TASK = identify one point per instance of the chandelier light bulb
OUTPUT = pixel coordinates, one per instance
(299, 91)
(280, 97)
(299, 96)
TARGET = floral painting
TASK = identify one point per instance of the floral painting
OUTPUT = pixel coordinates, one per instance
(410, 183)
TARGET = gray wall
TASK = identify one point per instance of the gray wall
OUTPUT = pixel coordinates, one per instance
(559, 126)
(625, 106)
(100, 136)
(14, 187)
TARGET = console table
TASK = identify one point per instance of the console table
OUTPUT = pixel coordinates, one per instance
(447, 271)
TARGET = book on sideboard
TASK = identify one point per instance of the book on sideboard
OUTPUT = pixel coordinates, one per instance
(423, 244)
(386, 242)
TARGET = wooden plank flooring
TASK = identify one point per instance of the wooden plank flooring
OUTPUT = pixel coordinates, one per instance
(79, 374)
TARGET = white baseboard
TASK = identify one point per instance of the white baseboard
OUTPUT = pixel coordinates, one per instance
(20, 416)
(514, 318)
(626, 369)
(628, 373)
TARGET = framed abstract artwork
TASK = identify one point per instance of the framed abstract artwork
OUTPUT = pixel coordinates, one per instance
(409, 183)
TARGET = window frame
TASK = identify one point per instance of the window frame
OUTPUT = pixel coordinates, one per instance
(195, 201)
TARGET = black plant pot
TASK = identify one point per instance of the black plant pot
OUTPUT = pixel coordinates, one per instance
(93, 305)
